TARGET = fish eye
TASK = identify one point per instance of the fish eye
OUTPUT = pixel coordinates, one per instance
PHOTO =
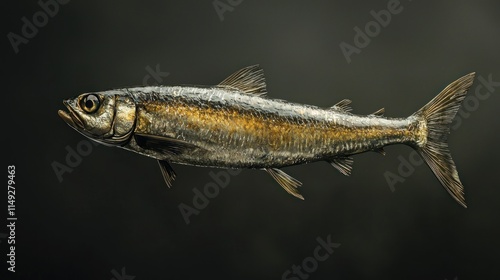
(90, 103)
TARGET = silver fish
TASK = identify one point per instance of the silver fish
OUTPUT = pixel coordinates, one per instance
(234, 125)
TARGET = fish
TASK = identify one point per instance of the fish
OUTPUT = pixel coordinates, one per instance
(235, 125)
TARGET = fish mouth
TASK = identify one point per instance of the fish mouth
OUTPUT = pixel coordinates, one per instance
(71, 117)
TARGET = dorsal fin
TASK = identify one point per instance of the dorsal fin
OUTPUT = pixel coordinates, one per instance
(248, 80)
(343, 105)
(379, 113)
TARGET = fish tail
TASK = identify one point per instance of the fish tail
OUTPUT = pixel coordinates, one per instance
(436, 117)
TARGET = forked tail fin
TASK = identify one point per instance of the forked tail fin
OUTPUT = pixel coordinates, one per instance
(438, 115)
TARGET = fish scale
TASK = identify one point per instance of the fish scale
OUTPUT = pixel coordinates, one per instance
(235, 125)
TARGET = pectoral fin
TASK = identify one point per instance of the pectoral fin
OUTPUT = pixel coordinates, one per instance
(289, 183)
(163, 144)
(167, 171)
(342, 164)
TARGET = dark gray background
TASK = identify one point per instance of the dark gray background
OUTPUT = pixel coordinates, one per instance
(115, 211)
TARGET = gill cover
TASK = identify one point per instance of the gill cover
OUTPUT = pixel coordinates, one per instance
(107, 117)
(124, 120)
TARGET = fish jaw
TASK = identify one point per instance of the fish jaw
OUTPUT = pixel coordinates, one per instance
(70, 117)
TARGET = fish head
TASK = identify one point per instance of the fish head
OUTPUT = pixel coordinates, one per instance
(105, 117)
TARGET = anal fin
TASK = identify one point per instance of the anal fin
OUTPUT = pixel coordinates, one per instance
(289, 183)
(167, 171)
(343, 164)
(380, 151)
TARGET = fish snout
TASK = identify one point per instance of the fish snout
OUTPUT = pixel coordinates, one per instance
(70, 117)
